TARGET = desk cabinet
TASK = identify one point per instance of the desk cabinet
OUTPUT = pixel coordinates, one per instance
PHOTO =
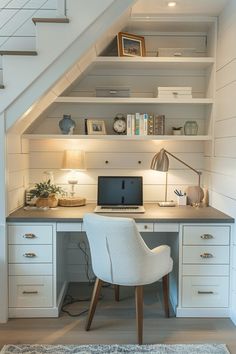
(204, 272)
(30, 268)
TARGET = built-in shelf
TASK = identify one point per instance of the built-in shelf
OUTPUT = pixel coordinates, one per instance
(119, 137)
(154, 62)
(132, 100)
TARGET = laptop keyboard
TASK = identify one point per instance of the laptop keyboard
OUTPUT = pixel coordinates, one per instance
(121, 208)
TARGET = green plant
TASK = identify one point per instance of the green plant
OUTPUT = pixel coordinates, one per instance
(45, 189)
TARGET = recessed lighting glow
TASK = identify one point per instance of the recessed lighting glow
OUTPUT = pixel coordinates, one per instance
(172, 4)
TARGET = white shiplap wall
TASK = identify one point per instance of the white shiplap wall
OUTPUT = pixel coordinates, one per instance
(221, 164)
(18, 171)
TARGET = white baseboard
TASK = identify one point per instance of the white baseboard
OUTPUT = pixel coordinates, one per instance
(32, 312)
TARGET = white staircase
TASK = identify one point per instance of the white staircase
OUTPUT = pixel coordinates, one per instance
(29, 74)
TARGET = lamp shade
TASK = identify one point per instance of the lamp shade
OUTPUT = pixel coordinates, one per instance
(73, 160)
(160, 161)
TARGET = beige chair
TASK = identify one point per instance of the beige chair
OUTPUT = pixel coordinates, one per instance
(121, 257)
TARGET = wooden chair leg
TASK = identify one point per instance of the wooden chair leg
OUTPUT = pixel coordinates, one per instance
(139, 312)
(165, 286)
(117, 292)
(93, 303)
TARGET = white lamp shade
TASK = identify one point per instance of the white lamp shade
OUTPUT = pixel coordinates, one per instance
(74, 160)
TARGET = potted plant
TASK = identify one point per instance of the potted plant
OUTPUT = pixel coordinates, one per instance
(177, 130)
(46, 192)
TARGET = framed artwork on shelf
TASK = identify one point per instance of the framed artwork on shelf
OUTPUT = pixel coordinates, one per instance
(130, 45)
(96, 127)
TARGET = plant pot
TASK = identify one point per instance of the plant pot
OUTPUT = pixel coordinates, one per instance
(50, 202)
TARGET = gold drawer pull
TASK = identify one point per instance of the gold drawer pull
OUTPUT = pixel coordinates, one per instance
(207, 236)
(205, 292)
(29, 236)
(30, 292)
(206, 255)
(29, 255)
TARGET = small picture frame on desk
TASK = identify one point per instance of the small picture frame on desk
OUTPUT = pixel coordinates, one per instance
(130, 45)
(96, 127)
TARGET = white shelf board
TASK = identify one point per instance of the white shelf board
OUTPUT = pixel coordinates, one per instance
(119, 137)
(153, 62)
(132, 100)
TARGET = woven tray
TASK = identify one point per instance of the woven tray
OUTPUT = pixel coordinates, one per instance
(71, 201)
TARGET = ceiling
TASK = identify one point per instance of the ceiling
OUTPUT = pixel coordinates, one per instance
(183, 7)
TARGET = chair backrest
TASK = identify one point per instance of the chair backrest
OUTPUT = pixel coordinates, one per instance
(117, 249)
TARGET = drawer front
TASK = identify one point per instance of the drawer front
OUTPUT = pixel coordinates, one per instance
(206, 254)
(166, 227)
(206, 235)
(29, 254)
(205, 292)
(206, 269)
(29, 234)
(34, 269)
(27, 291)
(69, 227)
(144, 227)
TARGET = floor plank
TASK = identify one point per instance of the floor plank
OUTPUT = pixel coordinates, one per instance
(114, 322)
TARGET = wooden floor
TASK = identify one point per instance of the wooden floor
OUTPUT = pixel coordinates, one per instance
(115, 323)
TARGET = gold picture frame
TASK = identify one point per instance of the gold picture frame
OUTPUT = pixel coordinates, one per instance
(96, 127)
(130, 45)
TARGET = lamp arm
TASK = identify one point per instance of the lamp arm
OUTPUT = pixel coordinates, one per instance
(184, 163)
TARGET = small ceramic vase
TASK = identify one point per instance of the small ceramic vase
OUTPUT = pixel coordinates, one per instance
(67, 124)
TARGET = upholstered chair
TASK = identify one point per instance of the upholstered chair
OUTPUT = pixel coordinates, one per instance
(121, 257)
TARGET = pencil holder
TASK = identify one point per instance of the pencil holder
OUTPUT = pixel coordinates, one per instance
(182, 200)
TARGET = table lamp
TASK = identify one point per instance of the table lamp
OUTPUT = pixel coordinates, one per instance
(160, 162)
(73, 160)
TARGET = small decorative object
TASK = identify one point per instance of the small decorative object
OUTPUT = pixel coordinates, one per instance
(130, 45)
(177, 130)
(96, 127)
(113, 91)
(46, 192)
(190, 127)
(119, 124)
(181, 200)
(195, 195)
(71, 201)
(67, 124)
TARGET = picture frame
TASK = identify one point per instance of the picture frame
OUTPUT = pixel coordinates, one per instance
(96, 127)
(130, 45)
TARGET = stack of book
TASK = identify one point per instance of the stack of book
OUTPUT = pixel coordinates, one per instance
(145, 124)
(174, 92)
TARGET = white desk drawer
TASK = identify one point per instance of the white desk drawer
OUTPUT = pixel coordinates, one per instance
(166, 227)
(33, 269)
(206, 254)
(29, 234)
(29, 254)
(206, 269)
(144, 227)
(206, 235)
(27, 291)
(205, 292)
(69, 227)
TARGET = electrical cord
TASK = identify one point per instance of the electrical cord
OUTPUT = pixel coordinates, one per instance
(69, 299)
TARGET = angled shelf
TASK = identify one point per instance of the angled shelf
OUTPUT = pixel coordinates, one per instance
(119, 137)
(129, 63)
(132, 100)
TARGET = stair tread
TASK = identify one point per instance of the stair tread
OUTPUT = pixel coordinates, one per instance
(50, 20)
(18, 52)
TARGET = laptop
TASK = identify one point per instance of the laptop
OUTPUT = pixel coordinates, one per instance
(120, 195)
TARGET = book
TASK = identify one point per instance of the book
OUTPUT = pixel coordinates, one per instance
(159, 125)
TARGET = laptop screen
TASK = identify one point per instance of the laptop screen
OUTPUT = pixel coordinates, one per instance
(120, 190)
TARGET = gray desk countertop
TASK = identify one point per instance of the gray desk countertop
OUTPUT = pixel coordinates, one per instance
(154, 213)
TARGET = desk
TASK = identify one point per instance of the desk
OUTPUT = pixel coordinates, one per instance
(199, 239)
